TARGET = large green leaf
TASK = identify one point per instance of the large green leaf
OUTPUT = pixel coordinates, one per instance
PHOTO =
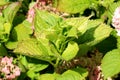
(73, 6)
(93, 23)
(79, 23)
(39, 23)
(70, 75)
(37, 67)
(11, 10)
(111, 63)
(45, 21)
(95, 35)
(71, 51)
(103, 31)
(21, 32)
(50, 18)
(48, 76)
(36, 49)
(48, 26)
(82, 71)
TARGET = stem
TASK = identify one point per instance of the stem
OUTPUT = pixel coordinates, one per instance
(57, 62)
(52, 64)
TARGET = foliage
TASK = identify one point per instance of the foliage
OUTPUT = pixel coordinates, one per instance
(60, 39)
(110, 60)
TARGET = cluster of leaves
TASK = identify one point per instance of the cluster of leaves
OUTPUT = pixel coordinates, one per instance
(55, 39)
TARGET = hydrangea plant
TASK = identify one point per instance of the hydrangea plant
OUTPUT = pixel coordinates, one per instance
(59, 39)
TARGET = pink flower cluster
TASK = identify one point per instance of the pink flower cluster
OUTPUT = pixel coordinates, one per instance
(116, 20)
(8, 71)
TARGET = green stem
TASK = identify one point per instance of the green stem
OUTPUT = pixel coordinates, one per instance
(52, 63)
(57, 62)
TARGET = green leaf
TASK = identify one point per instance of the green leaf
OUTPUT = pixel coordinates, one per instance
(32, 74)
(37, 67)
(111, 63)
(52, 35)
(70, 75)
(55, 51)
(45, 21)
(24, 61)
(105, 32)
(48, 76)
(2, 21)
(32, 64)
(50, 18)
(7, 27)
(72, 32)
(73, 6)
(82, 71)
(11, 44)
(40, 25)
(3, 2)
(71, 51)
(21, 32)
(79, 23)
(93, 23)
(36, 49)
(95, 35)
(10, 11)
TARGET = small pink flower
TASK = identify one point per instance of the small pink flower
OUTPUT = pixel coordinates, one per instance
(16, 71)
(5, 70)
(6, 60)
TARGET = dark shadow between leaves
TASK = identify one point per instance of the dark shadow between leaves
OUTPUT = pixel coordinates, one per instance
(107, 45)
